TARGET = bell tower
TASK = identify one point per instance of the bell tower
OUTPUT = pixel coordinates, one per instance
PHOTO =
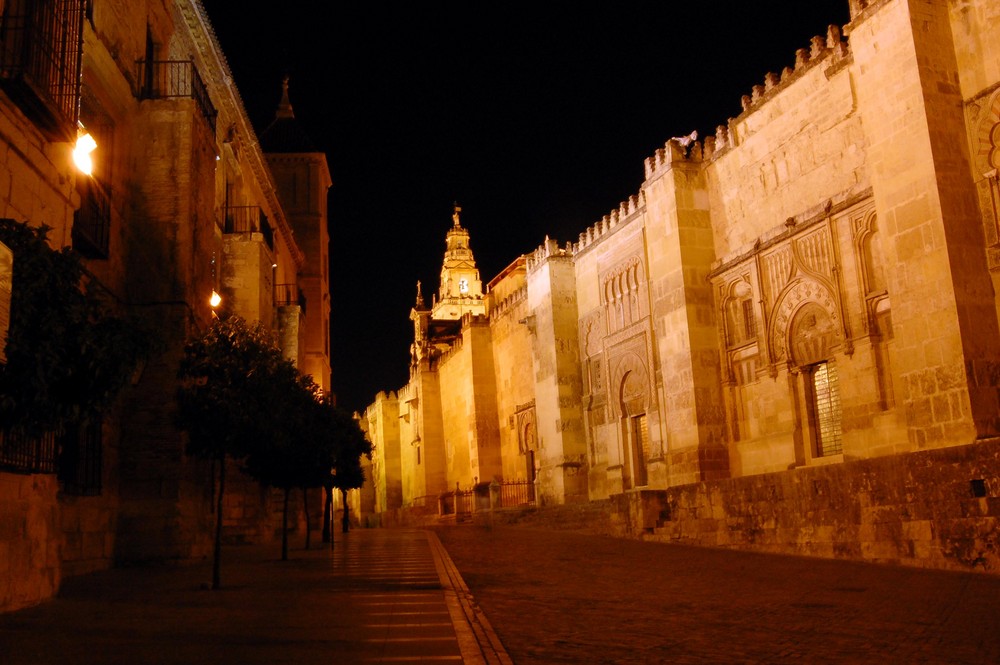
(461, 290)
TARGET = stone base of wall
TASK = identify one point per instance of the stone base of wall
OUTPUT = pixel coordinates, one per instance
(934, 509)
(29, 540)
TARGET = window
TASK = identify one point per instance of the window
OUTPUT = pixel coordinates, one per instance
(41, 42)
(22, 453)
(92, 222)
(749, 322)
(640, 450)
(826, 399)
(80, 460)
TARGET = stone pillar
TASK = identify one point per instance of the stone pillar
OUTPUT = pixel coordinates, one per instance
(943, 310)
(562, 443)
(681, 252)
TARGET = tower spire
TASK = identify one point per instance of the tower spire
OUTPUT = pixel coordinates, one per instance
(284, 106)
(461, 290)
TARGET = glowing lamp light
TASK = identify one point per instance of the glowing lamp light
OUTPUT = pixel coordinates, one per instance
(85, 144)
(215, 300)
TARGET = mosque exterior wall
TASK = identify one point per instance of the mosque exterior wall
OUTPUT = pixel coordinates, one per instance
(809, 294)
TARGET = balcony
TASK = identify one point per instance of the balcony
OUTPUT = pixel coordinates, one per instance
(289, 294)
(167, 79)
(248, 219)
(92, 222)
(41, 47)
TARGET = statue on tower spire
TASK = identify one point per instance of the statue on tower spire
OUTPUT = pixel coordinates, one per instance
(284, 106)
(420, 296)
(455, 214)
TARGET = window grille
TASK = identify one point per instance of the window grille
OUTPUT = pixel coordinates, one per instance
(826, 388)
(80, 460)
(41, 47)
(749, 322)
(640, 447)
(21, 453)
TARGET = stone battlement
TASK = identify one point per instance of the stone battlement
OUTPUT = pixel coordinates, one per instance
(686, 149)
(548, 249)
(624, 211)
(502, 307)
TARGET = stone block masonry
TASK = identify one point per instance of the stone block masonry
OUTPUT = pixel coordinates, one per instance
(931, 509)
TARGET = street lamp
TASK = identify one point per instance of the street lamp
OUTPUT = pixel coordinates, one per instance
(85, 144)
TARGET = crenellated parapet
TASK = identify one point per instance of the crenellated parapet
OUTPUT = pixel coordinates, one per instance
(832, 49)
(820, 47)
(503, 307)
(470, 319)
(625, 210)
(547, 250)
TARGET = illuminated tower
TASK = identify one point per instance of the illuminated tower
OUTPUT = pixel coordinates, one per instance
(461, 291)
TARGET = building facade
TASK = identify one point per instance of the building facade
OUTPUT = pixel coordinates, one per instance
(183, 201)
(805, 299)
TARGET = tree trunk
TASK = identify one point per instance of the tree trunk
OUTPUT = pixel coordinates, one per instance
(284, 528)
(305, 509)
(346, 522)
(327, 516)
(217, 553)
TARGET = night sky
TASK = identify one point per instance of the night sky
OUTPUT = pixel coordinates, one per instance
(534, 117)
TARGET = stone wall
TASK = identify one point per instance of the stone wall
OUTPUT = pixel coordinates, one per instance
(515, 385)
(932, 509)
(29, 540)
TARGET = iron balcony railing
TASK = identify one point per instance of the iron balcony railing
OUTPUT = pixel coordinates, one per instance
(289, 294)
(164, 79)
(248, 219)
(509, 494)
(41, 55)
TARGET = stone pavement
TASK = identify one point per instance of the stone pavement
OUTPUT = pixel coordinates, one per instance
(381, 596)
(396, 596)
(559, 597)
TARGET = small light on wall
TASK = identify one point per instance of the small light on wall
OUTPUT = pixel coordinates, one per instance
(85, 144)
(274, 265)
(215, 300)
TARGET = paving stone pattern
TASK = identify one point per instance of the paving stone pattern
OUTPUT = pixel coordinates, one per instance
(560, 597)
(377, 598)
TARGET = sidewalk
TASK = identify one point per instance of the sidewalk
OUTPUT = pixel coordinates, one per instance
(381, 596)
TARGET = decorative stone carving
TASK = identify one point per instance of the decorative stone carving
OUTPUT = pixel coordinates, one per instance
(813, 335)
(527, 430)
(631, 381)
(806, 310)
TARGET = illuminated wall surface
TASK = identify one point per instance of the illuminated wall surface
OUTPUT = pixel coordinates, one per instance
(805, 299)
(180, 200)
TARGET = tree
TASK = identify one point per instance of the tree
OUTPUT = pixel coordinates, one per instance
(68, 353)
(228, 379)
(292, 457)
(352, 444)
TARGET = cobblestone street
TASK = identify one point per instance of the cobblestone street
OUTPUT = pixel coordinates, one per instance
(510, 595)
(559, 597)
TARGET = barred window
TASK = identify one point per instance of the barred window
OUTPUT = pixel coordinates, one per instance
(41, 46)
(749, 322)
(826, 394)
(81, 458)
(640, 449)
(21, 453)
